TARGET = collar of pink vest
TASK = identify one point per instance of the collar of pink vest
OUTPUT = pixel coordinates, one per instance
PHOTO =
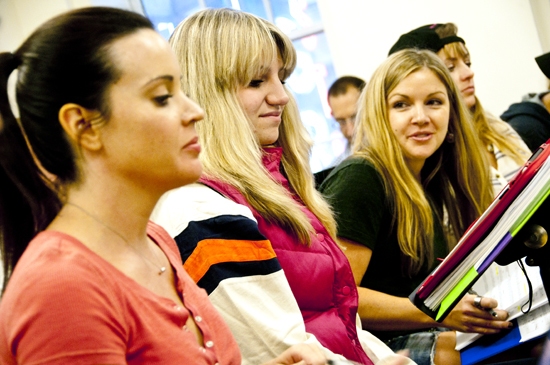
(271, 158)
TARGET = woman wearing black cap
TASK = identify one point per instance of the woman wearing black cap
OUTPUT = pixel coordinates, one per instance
(506, 150)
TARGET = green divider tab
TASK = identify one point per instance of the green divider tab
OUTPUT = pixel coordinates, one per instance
(457, 291)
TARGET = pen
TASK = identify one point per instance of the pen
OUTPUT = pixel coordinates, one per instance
(490, 310)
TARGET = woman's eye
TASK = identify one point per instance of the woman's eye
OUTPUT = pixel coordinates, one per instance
(434, 102)
(163, 99)
(255, 83)
(399, 105)
(451, 67)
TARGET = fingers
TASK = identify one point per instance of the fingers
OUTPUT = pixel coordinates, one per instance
(477, 314)
(501, 314)
(484, 303)
(488, 303)
(481, 321)
(488, 327)
(486, 308)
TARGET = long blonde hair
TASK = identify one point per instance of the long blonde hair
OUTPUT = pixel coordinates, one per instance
(454, 178)
(220, 50)
(489, 128)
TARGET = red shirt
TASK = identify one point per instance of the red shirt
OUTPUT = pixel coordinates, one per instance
(65, 304)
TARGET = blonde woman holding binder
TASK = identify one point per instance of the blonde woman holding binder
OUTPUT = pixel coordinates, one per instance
(416, 157)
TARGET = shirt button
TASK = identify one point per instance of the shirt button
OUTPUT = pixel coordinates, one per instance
(346, 290)
(320, 237)
(209, 344)
(198, 318)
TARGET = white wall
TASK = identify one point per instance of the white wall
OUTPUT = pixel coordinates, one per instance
(18, 18)
(501, 37)
(541, 10)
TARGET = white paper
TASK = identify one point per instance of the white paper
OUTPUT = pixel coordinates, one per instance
(535, 323)
(508, 285)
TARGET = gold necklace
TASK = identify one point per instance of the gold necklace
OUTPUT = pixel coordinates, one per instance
(161, 268)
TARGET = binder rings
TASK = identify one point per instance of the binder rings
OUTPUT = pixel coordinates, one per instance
(486, 237)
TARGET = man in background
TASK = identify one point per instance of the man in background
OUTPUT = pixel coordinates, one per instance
(342, 99)
(531, 117)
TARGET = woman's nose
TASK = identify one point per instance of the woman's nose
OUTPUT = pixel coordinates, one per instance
(420, 116)
(466, 72)
(277, 94)
(192, 113)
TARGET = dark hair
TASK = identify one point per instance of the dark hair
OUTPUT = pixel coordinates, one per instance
(342, 84)
(66, 60)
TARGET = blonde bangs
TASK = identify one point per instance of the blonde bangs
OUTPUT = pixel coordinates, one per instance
(252, 58)
(261, 44)
(456, 50)
(286, 51)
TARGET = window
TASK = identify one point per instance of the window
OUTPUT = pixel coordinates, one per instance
(300, 19)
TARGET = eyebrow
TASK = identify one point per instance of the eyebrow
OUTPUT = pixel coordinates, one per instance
(438, 92)
(451, 59)
(454, 59)
(408, 96)
(169, 78)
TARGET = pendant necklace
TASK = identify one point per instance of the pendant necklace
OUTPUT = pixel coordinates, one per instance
(161, 269)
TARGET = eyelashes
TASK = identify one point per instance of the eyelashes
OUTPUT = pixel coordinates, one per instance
(163, 99)
(257, 83)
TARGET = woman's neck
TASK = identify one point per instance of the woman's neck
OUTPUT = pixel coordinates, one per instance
(121, 206)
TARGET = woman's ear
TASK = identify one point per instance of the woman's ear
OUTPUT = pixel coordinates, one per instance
(77, 123)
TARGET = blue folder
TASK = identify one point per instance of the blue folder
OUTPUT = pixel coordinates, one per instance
(492, 345)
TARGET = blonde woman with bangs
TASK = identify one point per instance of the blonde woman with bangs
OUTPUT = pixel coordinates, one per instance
(416, 159)
(505, 149)
(255, 211)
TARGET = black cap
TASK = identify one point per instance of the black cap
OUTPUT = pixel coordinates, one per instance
(544, 63)
(424, 37)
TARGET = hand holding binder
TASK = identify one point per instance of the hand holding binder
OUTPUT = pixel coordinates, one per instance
(486, 237)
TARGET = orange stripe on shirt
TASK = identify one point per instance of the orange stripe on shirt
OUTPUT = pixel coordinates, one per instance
(214, 251)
